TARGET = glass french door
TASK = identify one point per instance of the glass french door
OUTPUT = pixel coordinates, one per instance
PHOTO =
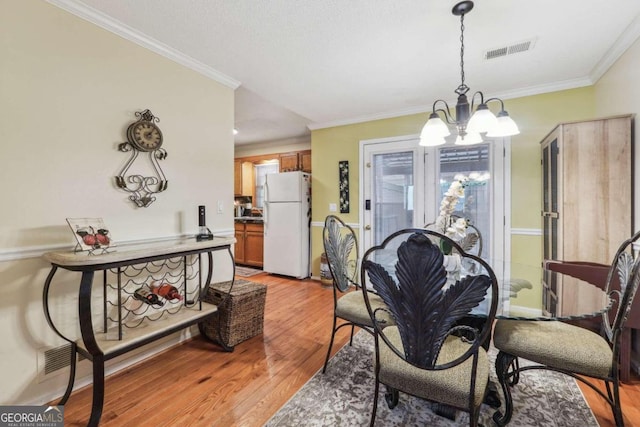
(403, 184)
(393, 190)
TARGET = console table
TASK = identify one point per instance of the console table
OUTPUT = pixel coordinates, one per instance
(127, 321)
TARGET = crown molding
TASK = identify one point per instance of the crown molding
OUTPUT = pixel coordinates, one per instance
(624, 42)
(108, 23)
(517, 93)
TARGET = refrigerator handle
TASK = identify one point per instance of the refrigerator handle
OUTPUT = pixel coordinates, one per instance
(265, 215)
(265, 209)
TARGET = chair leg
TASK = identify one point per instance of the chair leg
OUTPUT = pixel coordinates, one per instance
(445, 411)
(353, 328)
(474, 416)
(514, 377)
(377, 384)
(617, 407)
(392, 396)
(333, 334)
(503, 362)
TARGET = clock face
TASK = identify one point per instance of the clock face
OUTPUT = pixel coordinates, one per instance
(146, 136)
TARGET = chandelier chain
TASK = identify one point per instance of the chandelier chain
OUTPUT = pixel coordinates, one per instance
(462, 49)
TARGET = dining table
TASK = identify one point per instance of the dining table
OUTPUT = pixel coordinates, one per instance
(543, 293)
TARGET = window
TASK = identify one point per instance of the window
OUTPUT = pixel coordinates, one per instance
(261, 172)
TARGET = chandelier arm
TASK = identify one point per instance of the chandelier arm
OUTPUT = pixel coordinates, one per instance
(473, 98)
(496, 99)
(444, 111)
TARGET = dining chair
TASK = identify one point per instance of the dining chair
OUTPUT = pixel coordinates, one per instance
(341, 249)
(429, 352)
(569, 349)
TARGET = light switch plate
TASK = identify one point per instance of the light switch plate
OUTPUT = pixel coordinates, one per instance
(219, 206)
(333, 207)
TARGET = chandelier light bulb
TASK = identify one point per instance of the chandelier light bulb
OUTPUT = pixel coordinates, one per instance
(432, 141)
(482, 120)
(505, 126)
(435, 127)
(468, 139)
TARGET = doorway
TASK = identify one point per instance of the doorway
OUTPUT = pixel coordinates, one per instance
(403, 184)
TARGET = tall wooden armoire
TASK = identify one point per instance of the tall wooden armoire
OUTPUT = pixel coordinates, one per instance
(587, 210)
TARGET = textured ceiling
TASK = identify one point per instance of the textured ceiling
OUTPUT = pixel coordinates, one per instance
(324, 62)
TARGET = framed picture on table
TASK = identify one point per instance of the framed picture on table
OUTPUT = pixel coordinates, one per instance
(91, 234)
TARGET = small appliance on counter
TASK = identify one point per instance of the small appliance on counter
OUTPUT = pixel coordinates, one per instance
(243, 206)
(203, 232)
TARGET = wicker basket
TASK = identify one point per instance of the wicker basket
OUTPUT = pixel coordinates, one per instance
(241, 314)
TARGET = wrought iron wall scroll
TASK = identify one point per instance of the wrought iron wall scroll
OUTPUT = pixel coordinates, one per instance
(143, 136)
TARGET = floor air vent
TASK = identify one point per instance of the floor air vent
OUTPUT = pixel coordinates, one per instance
(509, 50)
(58, 358)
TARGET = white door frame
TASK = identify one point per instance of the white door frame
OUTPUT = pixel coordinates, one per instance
(501, 181)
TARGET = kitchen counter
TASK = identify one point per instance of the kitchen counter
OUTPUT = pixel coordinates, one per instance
(254, 219)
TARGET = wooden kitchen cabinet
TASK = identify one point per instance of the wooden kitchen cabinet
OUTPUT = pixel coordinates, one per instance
(254, 242)
(237, 177)
(243, 178)
(239, 246)
(289, 162)
(305, 161)
(249, 243)
(296, 161)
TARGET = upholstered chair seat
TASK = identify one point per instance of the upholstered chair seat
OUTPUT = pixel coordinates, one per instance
(351, 306)
(451, 385)
(555, 344)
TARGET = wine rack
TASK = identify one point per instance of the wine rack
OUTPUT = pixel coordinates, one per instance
(129, 322)
(122, 310)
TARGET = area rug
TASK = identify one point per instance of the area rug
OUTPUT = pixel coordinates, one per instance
(343, 397)
(246, 271)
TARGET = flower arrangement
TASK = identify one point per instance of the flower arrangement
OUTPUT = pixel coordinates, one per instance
(456, 230)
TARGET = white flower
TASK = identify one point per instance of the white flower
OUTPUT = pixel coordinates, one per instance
(443, 224)
(457, 230)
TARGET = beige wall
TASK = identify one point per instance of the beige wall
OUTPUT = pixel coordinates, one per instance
(69, 90)
(618, 92)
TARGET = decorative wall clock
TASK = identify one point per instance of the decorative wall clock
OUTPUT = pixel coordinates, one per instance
(143, 136)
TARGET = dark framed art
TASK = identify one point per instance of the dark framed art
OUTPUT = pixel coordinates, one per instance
(343, 179)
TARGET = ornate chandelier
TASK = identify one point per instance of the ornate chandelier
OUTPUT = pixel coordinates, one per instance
(469, 126)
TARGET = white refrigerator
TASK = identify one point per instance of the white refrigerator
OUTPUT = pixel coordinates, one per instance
(287, 218)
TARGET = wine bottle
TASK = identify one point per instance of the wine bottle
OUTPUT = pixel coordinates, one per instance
(167, 291)
(144, 294)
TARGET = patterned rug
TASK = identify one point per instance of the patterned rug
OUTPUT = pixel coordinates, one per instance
(246, 271)
(343, 397)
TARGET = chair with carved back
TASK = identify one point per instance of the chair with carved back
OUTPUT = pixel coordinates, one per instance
(429, 352)
(570, 349)
(341, 249)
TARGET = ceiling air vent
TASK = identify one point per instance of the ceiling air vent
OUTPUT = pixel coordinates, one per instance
(509, 50)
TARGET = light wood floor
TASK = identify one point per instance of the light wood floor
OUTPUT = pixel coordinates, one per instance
(198, 384)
